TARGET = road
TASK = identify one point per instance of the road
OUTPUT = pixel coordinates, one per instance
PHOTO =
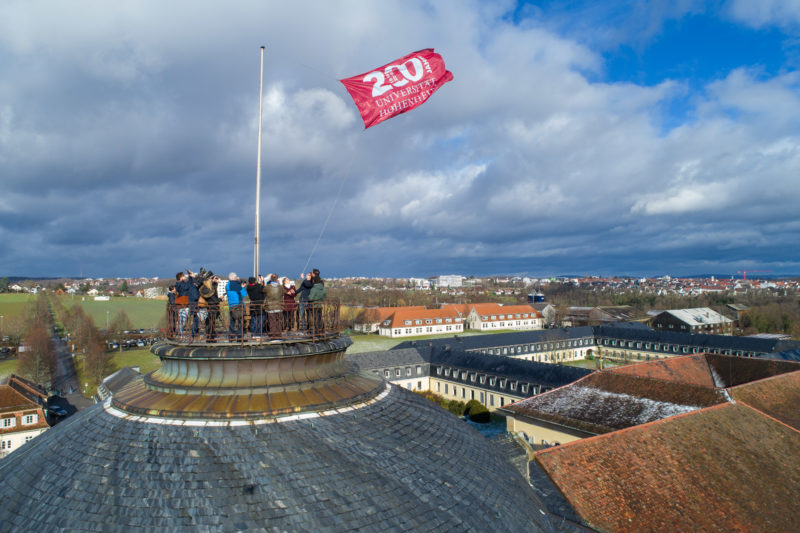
(66, 379)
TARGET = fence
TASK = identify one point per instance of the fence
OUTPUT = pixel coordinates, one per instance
(252, 323)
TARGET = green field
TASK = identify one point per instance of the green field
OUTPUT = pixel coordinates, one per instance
(9, 366)
(146, 361)
(144, 313)
(13, 304)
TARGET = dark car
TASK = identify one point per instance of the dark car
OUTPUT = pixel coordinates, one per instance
(56, 410)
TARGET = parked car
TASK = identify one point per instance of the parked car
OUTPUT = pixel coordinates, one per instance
(56, 410)
(113, 346)
(6, 338)
(140, 343)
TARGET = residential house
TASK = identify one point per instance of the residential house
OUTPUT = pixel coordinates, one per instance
(493, 316)
(21, 419)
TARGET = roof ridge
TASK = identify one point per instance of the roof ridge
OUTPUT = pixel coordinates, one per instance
(730, 389)
(759, 411)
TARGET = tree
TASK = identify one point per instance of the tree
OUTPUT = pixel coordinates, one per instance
(120, 322)
(98, 362)
(4, 284)
(38, 361)
(123, 288)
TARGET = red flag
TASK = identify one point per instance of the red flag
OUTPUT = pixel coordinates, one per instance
(397, 87)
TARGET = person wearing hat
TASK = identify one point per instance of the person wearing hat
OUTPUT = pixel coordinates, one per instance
(274, 305)
(255, 291)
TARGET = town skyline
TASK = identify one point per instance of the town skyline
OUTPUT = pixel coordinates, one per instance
(632, 140)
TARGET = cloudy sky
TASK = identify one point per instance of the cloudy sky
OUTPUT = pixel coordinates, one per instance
(642, 138)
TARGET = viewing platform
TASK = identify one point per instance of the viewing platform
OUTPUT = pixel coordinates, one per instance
(217, 372)
(252, 324)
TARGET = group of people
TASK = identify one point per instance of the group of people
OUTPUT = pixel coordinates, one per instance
(264, 306)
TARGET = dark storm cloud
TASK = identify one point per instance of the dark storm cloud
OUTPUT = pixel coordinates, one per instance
(128, 147)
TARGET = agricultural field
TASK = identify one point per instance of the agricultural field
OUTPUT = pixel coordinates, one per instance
(143, 313)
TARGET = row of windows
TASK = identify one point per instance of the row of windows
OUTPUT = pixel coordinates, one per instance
(674, 348)
(428, 329)
(428, 321)
(481, 397)
(398, 372)
(27, 420)
(538, 347)
(510, 316)
(482, 379)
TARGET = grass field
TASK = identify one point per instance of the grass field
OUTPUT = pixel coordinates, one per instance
(13, 304)
(9, 366)
(144, 313)
(146, 361)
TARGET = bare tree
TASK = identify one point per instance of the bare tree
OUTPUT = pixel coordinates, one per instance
(38, 361)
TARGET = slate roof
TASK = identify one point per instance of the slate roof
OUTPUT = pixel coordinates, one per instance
(607, 401)
(723, 468)
(479, 342)
(788, 355)
(387, 358)
(398, 464)
(545, 374)
(699, 316)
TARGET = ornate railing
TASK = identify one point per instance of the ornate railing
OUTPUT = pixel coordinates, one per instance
(252, 323)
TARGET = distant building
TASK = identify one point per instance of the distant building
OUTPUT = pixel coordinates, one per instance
(697, 320)
(489, 316)
(449, 281)
(458, 375)
(153, 292)
(370, 318)
(405, 322)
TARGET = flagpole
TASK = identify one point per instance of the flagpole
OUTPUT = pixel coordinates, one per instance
(258, 167)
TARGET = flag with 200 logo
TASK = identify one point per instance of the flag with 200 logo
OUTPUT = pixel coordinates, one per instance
(400, 86)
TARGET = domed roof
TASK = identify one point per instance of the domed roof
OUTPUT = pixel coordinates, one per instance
(340, 451)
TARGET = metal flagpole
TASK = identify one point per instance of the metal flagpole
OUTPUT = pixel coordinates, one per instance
(258, 167)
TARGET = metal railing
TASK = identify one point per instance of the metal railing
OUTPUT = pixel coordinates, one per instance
(252, 323)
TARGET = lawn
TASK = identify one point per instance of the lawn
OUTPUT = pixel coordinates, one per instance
(9, 366)
(144, 313)
(146, 361)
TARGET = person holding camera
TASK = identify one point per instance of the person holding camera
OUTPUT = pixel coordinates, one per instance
(236, 295)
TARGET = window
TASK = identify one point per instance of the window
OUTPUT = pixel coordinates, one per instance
(387, 374)
(438, 320)
(439, 370)
(31, 419)
(502, 401)
(446, 387)
(448, 320)
(438, 387)
(9, 422)
(28, 438)
(419, 385)
(463, 392)
(502, 317)
(5, 444)
(447, 372)
(418, 322)
(408, 371)
(428, 321)
(483, 398)
(397, 332)
(407, 322)
(419, 370)
(397, 372)
(483, 381)
(491, 400)
(524, 389)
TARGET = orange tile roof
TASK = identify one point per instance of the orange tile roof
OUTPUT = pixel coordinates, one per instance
(691, 369)
(402, 314)
(778, 397)
(723, 468)
(11, 400)
(489, 309)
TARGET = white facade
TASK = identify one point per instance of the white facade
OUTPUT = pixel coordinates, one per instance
(449, 281)
(20, 426)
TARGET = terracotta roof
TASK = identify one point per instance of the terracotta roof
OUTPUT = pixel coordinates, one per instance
(402, 314)
(690, 369)
(11, 400)
(606, 401)
(724, 468)
(778, 397)
(489, 309)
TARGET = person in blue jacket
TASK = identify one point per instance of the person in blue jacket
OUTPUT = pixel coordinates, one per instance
(236, 295)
